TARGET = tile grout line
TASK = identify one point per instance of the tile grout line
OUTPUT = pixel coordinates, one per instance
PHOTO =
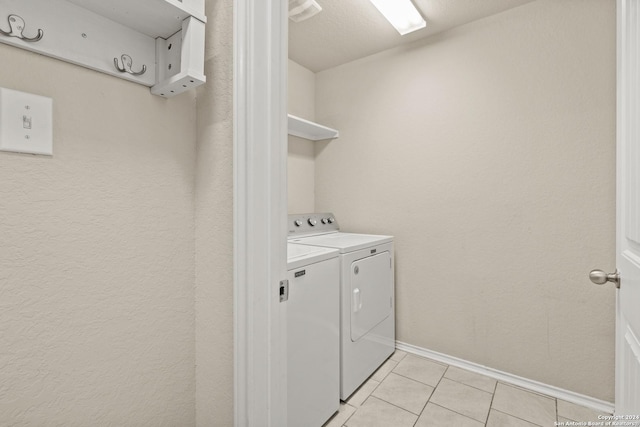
(518, 418)
(432, 393)
(457, 413)
(469, 385)
(421, 382)
(344, 424)
(390, 403)
(528, 390)
(370, 394)
(493, 396)
(376, 387)
(393, 404)
(542, 395)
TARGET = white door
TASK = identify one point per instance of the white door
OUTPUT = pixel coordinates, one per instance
(628, 210)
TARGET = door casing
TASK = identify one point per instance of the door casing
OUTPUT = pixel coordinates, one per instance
(628, 211)
(260, 210)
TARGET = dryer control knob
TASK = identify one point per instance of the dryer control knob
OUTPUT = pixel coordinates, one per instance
(312, 222)
(331, 220)
(325, 220)
(297, 222)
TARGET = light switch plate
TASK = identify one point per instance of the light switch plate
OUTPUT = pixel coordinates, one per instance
(26, 122)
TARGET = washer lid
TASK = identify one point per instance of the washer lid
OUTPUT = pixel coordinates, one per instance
(346, 242)
(301, 255)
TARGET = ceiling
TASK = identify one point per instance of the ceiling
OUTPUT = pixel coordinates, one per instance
(346, 30)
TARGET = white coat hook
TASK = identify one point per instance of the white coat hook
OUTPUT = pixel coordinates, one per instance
(16, 23)
(127, 63)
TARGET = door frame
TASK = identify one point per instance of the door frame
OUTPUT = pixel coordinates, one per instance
(620, 86)
(260, 210)
(628, 22)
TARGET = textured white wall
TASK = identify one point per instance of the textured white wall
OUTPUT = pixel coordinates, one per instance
(301, 91)
(97, 255)
(489, 152)
(301, 162)
(214, 224)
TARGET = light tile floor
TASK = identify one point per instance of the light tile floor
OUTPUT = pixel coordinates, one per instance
(412, 391)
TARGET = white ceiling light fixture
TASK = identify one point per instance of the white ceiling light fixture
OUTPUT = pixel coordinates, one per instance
(299, 10)
(402, 14)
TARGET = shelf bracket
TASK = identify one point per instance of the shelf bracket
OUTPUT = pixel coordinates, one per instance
(180, 60)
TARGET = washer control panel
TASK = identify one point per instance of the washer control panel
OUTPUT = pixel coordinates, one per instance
(312, 223)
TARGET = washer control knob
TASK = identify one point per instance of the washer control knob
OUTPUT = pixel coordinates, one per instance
(312, 222)
(331, 220)
(325, 220)
(297, 222)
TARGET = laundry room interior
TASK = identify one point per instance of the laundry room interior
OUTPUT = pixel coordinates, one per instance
(488, 152)
(487, 149)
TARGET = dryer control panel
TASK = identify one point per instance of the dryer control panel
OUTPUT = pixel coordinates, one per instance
(312, 223)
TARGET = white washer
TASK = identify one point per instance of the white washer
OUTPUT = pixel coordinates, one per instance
(311, 304)
(367, 313)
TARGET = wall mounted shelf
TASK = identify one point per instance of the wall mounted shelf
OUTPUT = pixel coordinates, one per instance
(156, 43)
(309, 130)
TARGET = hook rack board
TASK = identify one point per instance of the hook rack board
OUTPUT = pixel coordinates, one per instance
(160, 43)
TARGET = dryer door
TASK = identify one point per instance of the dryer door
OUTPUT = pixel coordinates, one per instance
(371, 293)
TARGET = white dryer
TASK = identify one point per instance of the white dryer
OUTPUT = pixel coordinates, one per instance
(311, 304)
(367, 312)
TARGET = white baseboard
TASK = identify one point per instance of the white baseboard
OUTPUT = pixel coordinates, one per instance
(505, 377)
